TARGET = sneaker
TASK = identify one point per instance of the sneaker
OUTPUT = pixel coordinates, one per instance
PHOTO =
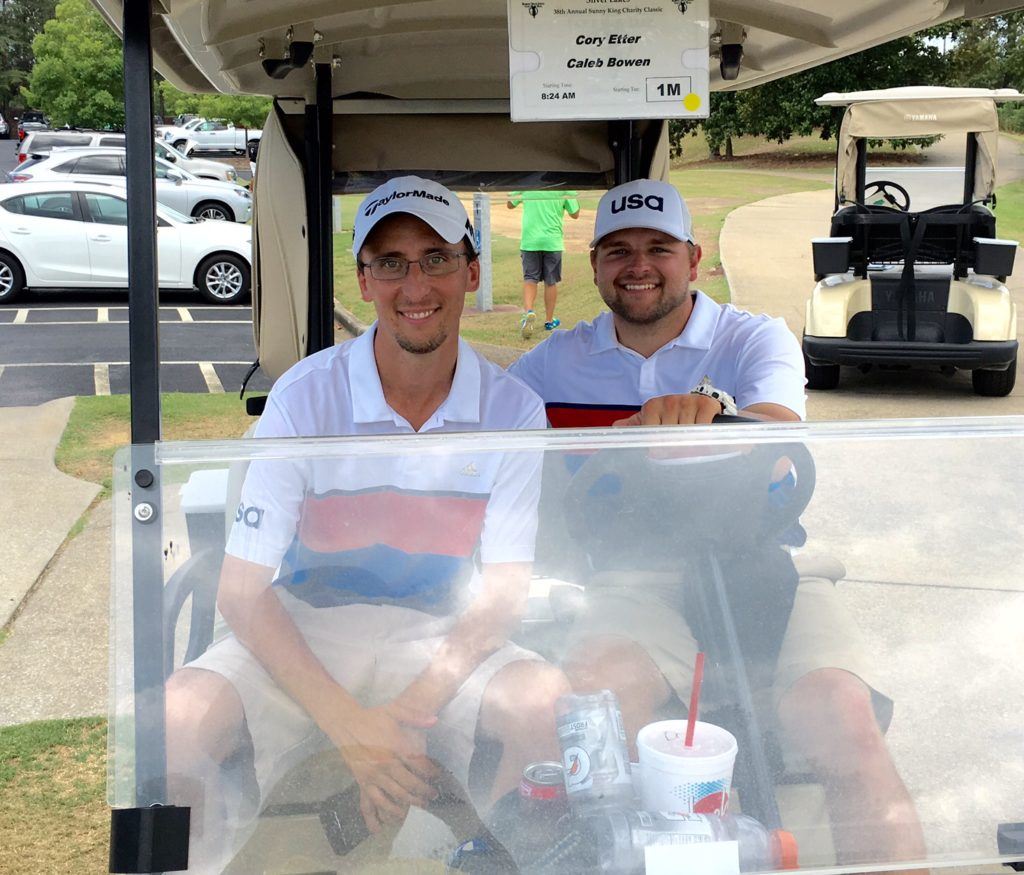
(552, 325)
(526, 324)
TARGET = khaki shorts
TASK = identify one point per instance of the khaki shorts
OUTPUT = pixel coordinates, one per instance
(644, 607)
(373, 652)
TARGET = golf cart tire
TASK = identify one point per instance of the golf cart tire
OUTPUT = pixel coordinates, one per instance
(821, 376)
(994, 384)
(10, 267)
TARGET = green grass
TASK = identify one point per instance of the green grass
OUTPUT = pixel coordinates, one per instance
(1010, 211)
(100, 425)
(711, 191)
(52, 797)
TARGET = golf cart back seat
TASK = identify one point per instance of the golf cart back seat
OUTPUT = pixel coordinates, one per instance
(941, 235)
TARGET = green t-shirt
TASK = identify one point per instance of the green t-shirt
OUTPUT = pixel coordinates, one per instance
(542, 218)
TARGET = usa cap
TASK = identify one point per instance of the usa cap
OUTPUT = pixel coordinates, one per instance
(643, 203)
(422, 198)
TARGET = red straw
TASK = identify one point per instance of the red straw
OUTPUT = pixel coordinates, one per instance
(698, 677)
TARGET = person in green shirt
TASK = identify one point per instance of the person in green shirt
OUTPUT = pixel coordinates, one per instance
(541, 248)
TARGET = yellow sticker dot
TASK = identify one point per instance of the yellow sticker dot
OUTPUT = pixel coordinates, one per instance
(692, 102)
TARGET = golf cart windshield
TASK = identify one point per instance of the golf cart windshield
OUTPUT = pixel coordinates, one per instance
(965, 117)
(932, 606)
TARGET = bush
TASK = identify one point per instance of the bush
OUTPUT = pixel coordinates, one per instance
(1011, 117)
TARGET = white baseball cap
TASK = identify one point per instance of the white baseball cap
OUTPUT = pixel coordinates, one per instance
(643, 203)
(422, 198)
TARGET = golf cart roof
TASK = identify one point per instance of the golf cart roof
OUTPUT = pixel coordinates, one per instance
(409, 49)
(915, 93)
(919, 111)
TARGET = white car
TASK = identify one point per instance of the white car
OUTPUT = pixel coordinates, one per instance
(178, 136)
(217, 135)
(175, 188)
(204, 168)
(72, 234)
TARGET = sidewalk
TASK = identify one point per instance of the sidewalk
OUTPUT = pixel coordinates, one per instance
(53, 660)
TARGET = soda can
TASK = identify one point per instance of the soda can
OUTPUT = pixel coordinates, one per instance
(543, 782)
(594, 755)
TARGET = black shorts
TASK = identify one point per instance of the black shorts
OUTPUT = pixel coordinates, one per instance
(541, 265)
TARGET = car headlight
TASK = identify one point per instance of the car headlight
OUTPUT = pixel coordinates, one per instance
(244, 195)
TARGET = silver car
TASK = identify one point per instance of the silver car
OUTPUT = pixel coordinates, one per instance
(175, 188)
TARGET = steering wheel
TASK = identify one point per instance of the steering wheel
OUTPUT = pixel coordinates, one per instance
(635, 504)
(884, 186)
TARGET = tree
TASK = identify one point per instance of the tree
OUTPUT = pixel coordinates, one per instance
(20, 21)
(243, 110)
(785, 107)
(987, 52)
(78, 75)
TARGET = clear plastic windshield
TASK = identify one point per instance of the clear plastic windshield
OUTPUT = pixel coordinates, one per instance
(482, 652)
(919, 187)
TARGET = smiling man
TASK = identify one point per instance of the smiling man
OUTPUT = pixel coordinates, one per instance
(667, 354)
(358, 616)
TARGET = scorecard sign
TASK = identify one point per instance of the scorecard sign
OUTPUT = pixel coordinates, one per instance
(608, 59)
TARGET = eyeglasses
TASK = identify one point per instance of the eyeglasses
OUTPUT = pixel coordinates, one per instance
(394, 267)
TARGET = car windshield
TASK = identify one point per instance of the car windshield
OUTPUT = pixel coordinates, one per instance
(175, 216)
(163, 167)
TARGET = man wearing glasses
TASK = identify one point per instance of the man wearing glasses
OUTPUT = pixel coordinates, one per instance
(358, 617)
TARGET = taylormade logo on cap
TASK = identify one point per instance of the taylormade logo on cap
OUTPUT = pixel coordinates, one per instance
(643, 203)
(428, 201)
(370, 206)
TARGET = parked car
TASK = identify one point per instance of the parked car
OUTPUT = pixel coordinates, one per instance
(204, 168)
(216, 135)
(175, 188)
(73, 234)
(31, 120)
(38, 144)
(5, 129)
(177, 135)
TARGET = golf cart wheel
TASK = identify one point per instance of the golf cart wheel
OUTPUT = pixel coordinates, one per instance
(12, 278)
(213, 210)
(994, 384)
(223, 278)
(821, 376)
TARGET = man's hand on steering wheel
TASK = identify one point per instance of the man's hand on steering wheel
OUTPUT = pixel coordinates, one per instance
(689, 409)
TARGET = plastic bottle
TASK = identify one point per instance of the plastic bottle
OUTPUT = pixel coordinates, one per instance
(620, 835)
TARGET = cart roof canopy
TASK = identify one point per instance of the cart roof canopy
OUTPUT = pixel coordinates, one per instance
(458, 49)
(919, 111)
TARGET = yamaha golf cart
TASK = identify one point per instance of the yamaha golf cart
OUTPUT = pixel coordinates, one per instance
(367, 91)
(913, 272)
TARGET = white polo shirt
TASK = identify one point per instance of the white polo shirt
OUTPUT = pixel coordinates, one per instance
(400, 529)
(587, 378)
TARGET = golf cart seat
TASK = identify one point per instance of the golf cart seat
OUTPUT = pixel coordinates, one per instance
(882, 235)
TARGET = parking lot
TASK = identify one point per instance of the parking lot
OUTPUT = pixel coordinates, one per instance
(77, 344)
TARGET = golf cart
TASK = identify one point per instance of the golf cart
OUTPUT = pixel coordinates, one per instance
(400, 87)
(913, 273)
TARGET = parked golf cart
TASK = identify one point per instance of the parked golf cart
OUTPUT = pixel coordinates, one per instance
(912, 273)
(406, 86)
